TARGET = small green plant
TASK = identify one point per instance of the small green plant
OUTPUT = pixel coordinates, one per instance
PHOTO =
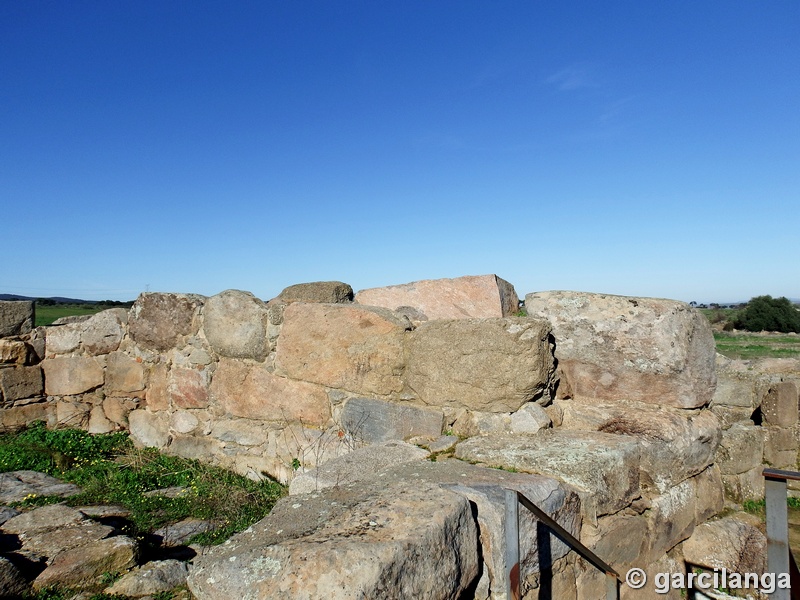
(296, 464)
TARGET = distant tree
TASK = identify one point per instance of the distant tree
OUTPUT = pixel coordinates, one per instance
(45, 302)
(765, 313)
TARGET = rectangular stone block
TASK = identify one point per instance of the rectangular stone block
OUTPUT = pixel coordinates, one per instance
(17, 383)
(14, 352)
(474, 296)
(741, 449)
(374, 421)
(16, 317)
(779, 407)
(488, 365)
(616, 348)
(780, 448)
(123, 373)
(342, 346)
(251, 391)
(70, 375)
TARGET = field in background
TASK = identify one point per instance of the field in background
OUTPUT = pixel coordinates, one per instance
(757, 345)
(46, 314)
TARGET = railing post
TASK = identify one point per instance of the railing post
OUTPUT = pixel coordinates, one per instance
(512, 546)
(777, 531)
(612, 587)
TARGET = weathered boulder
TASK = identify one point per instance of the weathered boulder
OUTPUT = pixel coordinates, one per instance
(14, 352)
(45, 518)
(344, 346)
(620, 348)
(178, 534)
(102, 333)
(251, 391)
(157, 321)
(603, 467)
(20, 382)
(675, 444)
(149, 429)
(363, 463)
(71, 375)
(474, 296)
(15, 485)
(235, 324)
(324, 292)
(87, 563)
(491, 365)
(373, 421)
(16, 317)
(150, 579)
(360, 542)
(730, 543)
(63, 339)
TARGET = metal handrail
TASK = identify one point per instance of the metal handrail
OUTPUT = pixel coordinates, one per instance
(512, 568)
(779, 555)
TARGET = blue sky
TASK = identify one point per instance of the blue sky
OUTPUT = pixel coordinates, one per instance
(636, 148)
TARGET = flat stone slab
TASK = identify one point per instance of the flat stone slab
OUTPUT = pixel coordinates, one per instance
(603, 467)
(392, 541)
(373, 421)
(463, 297)
(16, 485)
(360, 464)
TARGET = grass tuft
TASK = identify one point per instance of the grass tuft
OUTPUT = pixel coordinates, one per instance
(110, 470)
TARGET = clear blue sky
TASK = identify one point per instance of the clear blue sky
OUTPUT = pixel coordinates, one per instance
(627, 147)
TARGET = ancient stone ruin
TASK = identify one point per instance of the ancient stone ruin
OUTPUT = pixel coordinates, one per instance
(399, 415)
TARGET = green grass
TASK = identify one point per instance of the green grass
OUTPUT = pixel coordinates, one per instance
(758, 507)
(747, 346)
(111, 471)
(45, 315)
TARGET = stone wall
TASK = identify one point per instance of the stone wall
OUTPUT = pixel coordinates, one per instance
(616, 398)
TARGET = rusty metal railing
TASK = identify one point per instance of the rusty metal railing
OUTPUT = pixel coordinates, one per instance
(512, 568)
(779, 555)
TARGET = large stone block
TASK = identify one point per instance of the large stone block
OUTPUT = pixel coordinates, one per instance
(779, 406)
(20, 416)
(325, 292)
(16, 317)
(780, 448)
(671, 519)
(15, 352)
(389, 541)
(157, 395)
(741, 449)
(123, 374)
(603, 467)
(619, 348)
(70, 375)
(252, 392)
(361, 464)
(345, 346)
(730, 543)
(675, 444)
(149, 429)
(158, 321)
(373, 421)
(744, 486)
(476, 296)
(17, 383)
(235, 324)
(63, 339)
(188, 388)
(103, 332)
(490, 365)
